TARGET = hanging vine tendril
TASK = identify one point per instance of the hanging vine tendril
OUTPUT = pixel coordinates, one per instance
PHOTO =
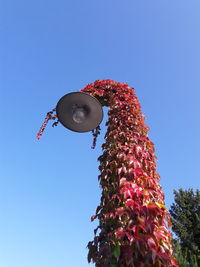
(50, 116)
(95, 134)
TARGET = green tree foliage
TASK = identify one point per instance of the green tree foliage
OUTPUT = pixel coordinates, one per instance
(185, 213)
(185, 257)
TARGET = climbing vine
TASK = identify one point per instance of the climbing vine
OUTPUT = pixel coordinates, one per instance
(133, 228)
(133, 220)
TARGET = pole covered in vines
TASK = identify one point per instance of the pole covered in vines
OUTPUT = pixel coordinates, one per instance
(133, 220)
(133, 229)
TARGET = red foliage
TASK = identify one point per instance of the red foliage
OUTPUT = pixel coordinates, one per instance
(49, 116)
(133, 220)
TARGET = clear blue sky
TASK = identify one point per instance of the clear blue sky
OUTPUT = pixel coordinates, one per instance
(49, 188)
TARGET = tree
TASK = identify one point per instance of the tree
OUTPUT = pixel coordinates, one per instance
(184, 257)
(185, 213)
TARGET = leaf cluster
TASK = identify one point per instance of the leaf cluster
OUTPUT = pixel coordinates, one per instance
(134, 224)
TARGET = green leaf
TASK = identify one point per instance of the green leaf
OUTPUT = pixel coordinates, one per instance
(116, 252)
